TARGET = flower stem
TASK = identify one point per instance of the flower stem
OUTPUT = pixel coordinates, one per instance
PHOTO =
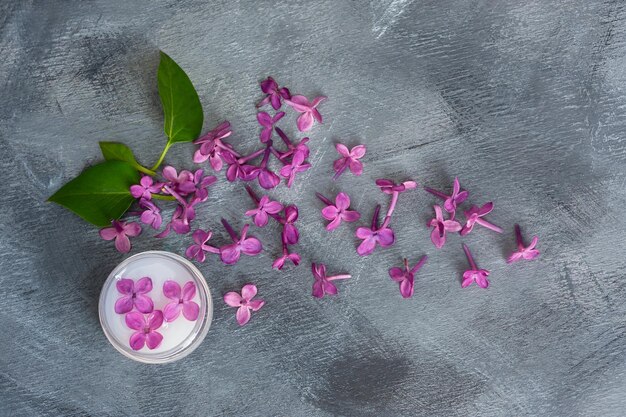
(145, 170)
(163, 197)
(419, 264)
(436, 193)
(229, 229)
(253, 155)
(518, 237)
(488, 225)
(266, 155)
(469, 257)
(177, 196)
(162, 156)
(341, 169)
(252, 194)
(375, 218)
(342, 276)
(324, 199)
(284, 137)
(392, 207)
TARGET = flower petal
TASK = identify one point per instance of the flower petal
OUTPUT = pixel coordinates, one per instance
(305, 122)
(233, 299)
(329, 288)
(364, 233)
(171, 289)
(122, 243)
(248, 291)
(406, 288)
(143, 285)
(132, 229)
(334, 224)
(189, 291)
(256, 305)
(230, 253)
(125, 286)
(243, 315)
(260, 220)
(171, 311)
(356, 167)
(264, 119)
(155, 319)
(191, 310)
(273, 207)
(108, 233)
(299, 103)
(342, 201)
(358, 151)
(251, 246)
(124, 304)
(438, 239)
(153, 340)
(350, 215)
(144, 303)
(318, 289)
(482, 281)
(135, 320)
(330, 212)
(366, 247)
(396, 274)
(137, 340)
(386, 237)
(342, 150)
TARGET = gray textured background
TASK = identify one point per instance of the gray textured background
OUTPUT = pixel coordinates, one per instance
(524, 100)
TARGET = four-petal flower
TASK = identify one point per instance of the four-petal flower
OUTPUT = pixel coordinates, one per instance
(120, 231)
(264, 207)
(134, 295)
(373, 235)
(145, 327)
(182, 301)
(309, 111)
(479, 276)
(273, 93)
(405, 277)
(197, 250)
(523, 252)
(441, 227)
(145, 188)
(244, 302)
(230, 254)
(338, 211)
(349, 159)
(323, 284)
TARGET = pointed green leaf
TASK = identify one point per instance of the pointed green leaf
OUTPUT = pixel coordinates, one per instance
(181, 105)
(116, 151)
(100, 193)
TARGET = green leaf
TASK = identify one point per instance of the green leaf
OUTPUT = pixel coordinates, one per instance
(116, 151)
(181, 105)
(100, 193)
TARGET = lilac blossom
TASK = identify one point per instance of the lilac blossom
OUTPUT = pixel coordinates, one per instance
(373, 235)
(405, 277)
(323, 284)
(145, 326)
(121, 232)
(300, 147)
(338, 211)
(182, 301)
(349, 159)
(151, 215)
(241, 244)
(441, 227)
(451, 201)
(213, 148)
(264, 208)
(198, 250)
(279, 263)
(181, 183)
(134, 295)
(474, 216)
(309, 111)
(290, 232)
(145, 188)
(479, 276)
(297, 165)
(523, 252)
(273, 93)
(244, 302)
(268, 123)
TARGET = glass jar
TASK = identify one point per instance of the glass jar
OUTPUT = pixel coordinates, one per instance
(180, 336)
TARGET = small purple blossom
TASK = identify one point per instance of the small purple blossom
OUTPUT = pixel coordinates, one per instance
(405, 277)
(474, 216)
(181, 183)
(441, 227)
(523, 252)
(373, 235)
(451, 201)
(264, 207)
(309, 111)
(297, 165)
(244, 302)
(201, 183)
(479, 276)
(182, 301)
(279, 263)
(213, 148)
(251, 246)
(338, 211)
(198, 250)
(349, 159)
(145, 326)
(273, 93)
(300, 147)
(268, 123)
(151, 215)
(323, 284)
(121, 232)
(389, 187)
(145, 188)
(134, 295)
(290, 231)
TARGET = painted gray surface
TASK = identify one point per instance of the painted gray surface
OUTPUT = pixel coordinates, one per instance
(524, 100)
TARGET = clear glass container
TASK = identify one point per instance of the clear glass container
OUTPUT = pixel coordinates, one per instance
(180, 336)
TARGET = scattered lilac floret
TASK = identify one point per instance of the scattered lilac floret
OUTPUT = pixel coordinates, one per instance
(151, 215)
(523, 252)
(451, 201)
(323, 284)
(244, 302)
(268, 123)
(297, 165)
(309, 111)
(181, 183)
(441, 227)
(300, 147)
(121, 232)
(279, 263)
(274, 95)
(251, 246)
(134, 295)
(406, 277)
(182, 301)
(290, 231)
(199, 250)
(338, 211)
(145, 188)
(474, 216)
(349, 159)
(373, 235)
(213, 148)
(479, 276)
(264, 208)
(145, 326)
